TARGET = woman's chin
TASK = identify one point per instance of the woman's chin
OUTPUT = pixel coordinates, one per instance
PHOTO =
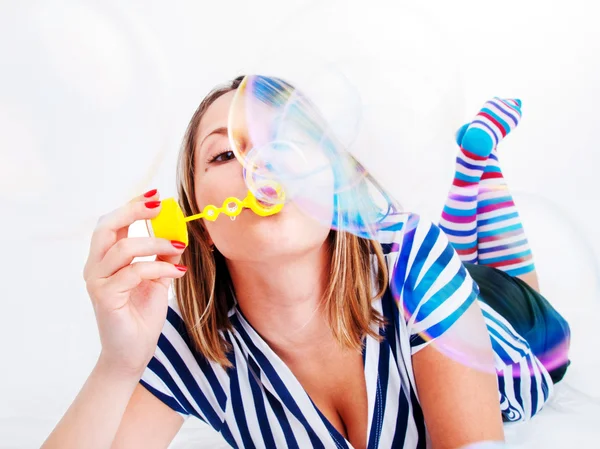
(278, 236)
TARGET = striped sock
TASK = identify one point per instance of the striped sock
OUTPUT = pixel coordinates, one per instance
(497, 118)
(476, 140)
(501, 241)
(459, 216)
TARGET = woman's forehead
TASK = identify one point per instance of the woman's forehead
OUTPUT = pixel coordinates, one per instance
(250, 118)
(215, 116)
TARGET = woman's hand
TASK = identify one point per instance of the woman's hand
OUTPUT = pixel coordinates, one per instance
(130, 299)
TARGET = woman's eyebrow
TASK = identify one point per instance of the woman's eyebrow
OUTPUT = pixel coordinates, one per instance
(222, 130)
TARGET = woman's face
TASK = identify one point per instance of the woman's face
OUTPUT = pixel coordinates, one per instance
(218, 175)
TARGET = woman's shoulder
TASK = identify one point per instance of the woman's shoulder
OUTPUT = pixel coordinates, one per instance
(416, 250)
(405, 231)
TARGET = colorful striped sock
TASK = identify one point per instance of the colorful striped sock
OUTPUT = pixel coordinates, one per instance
(501, 240)
(497, 118)
(459, 216)
(476, 140)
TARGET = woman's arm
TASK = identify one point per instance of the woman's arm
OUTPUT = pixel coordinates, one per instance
(130, 301)
(459, 394)
(113, 410)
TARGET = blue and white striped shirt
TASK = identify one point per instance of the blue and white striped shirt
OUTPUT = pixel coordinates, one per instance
(260, 403)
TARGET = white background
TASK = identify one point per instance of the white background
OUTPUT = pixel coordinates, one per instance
(95, 97)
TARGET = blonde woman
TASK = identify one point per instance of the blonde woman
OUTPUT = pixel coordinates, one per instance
(286, 333)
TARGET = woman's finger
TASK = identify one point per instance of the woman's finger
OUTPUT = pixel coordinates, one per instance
(169, 259)
(132, 275)
(115, 224)
(126, 250)
(150, 195)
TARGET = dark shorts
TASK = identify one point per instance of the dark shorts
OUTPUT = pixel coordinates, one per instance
(529, 313)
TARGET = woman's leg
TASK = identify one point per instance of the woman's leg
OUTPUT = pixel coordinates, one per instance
(501, 239)
(459, 216)
(492, 235)
(476, 141)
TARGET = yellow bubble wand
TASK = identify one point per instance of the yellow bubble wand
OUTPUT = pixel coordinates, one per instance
(171, 223)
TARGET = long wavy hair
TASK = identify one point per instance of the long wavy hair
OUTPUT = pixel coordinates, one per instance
(204, 294)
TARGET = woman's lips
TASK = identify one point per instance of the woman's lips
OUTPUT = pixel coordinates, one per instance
(265, 203)
(268, 196)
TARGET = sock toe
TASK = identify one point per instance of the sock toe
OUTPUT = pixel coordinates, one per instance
(461, 133)
(478, 142)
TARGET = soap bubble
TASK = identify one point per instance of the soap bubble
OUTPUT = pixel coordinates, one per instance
(83, 114)
(279, 134)
(386, 80)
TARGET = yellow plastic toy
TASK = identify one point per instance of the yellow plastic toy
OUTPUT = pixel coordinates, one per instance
(171, 224)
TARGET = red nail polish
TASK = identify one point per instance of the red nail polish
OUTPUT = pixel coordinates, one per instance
(178, 245)
(152, 204)
(150, 193)
(181, 267)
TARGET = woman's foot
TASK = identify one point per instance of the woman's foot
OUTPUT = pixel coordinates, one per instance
(496, 119)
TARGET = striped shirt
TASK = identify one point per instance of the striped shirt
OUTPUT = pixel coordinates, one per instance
(260, 403)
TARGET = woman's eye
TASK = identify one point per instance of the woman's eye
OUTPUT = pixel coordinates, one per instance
(224, 156)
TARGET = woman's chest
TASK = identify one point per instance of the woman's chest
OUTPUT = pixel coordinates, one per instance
(324, 400)
(350, 402)
(338, 389)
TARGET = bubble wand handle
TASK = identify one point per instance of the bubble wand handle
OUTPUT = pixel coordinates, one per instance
(171, 224)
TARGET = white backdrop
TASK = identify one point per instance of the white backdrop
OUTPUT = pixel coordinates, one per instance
(95, 97)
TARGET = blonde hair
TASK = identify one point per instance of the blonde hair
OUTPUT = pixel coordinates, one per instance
(204, 293)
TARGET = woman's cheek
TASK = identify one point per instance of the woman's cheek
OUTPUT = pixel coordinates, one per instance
(215, 185)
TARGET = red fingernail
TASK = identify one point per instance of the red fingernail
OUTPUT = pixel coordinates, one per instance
(152, 204)
(178, 245)
(150, 193)
(181, 267)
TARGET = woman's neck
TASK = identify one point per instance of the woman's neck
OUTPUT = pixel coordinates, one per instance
(283, 300)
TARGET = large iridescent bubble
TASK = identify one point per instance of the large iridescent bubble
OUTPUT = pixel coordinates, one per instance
(400, 63)
(280, 135)
(281, 138)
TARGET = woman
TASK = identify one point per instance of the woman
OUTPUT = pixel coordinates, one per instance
(288, 334)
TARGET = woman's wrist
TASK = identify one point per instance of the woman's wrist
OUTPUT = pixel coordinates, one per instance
(107, 368)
